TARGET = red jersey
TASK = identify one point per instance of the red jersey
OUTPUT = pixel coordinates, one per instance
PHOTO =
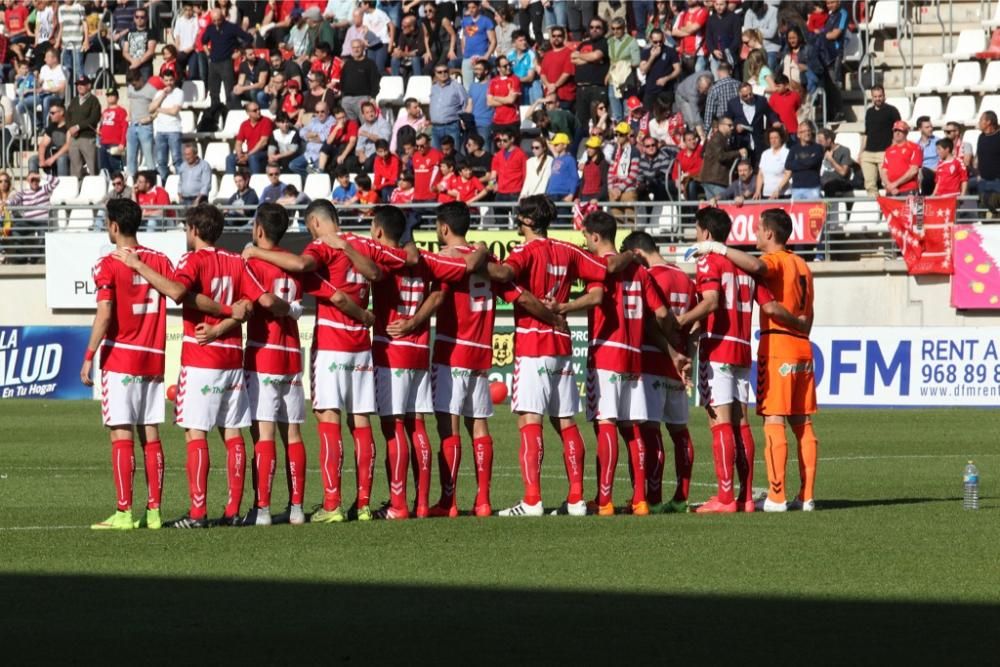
(425, 174)
(616, 324)
(114, 126)
(467, 189)
(690, 162)
(137, 335)
(335, 330)
(385, 172)
(152, 202)
(401, 196)
(225, 277)
(502, 86)
(548, 268)
(463, 335)
(398, 297)
(786, 106)
(900, 157)
(725, 335)
(16, 19)
(449, 182)
(511, 167)
(693, 44)
(273, 344)
(677, 290)
(554, 65)
(949, 176)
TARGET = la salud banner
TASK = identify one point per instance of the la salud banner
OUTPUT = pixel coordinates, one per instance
(808, 219)
(975, 285)
(42, 362)
(922, 228)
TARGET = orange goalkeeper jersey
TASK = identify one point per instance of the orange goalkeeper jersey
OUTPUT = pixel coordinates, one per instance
(790, 280)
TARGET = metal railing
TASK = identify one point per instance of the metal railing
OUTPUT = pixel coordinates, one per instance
(854, 228)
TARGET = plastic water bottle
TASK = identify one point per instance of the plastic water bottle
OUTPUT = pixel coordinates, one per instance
(970, 479)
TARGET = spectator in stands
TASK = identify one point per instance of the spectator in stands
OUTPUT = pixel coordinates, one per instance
(409, 49)
(31, 222)
(53, 145)
(139, 46)
(242, 203)
(118, 191)
(601, 124)
(168, 54)
(446, 180)
(557, 71)
(803, 165)
(718, 156)
(479, 40)
(623, 174)
(623, 59)
(222, 39)
(467, 188)
(741, 189)
(314, 134)
(757, 73)
(928, 148)
(524, 63)
(637, 117)
(112, 134)
(691, 98)
(550, 120)
(300, 39)
(50, 87)
(252, 140)
(318, 91)
(793, 62)
(509, 168)
(385, 169)
(786, 103)
(273, 190)
(480, 159)
(689, 31)
(448, 147)
(771, 166)
(448, 99)
(383, 29)
(252, 78)
(323, 61)
(477, 105)
(194, 177)
(538, 169)
(403, 194)
(654, 168)
(880, 118)
(273, 92)
(152, 198)
(723, 91)
(344, 191)
(690, 160)
(357, 30)
(140, 129)
(722, 35)
(338, 149)
(358, 81)
(374, 127)
(564, 179)
(322, 32)
(988, 159)
(593, 172)
(592, 64)
(425, 173)
(763, 16)
(900, 169)
(440, 39)
(184, 33)
(292, 197)
(16, 21)
(83, 116)
(166, 107)
(753, 116)
(661, 67)
(45, 26)
(503, 95)
(950, 176)
(289, 68)
(836, 174)
(285, 144)
(411, 116)
(828, 56)
(71, 36)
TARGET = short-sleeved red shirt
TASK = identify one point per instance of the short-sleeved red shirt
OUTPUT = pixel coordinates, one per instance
(900, 157)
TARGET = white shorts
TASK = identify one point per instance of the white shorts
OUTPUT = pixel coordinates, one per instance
(208, 398)
(721, 384)
(545, 386)
(461, 391)
(666, 399)
(343, 381)
(276, 398)
(615, 396)
(131, 400)
(400, 391)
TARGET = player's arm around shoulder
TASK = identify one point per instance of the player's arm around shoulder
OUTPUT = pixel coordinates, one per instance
(162, 284)
(283, 260)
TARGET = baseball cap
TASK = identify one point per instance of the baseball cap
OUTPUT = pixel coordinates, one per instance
(633, 103)
(111, 91)
(83, 78)
(901, 125)
(312, 14)
(623, 128)
(560, 138)
(594, 142)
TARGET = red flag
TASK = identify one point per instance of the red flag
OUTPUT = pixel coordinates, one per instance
(922, 228)
(580, 211)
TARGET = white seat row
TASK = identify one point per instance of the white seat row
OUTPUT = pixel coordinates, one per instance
(966, 77)
(961, 109)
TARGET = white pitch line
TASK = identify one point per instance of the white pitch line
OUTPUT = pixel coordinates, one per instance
(42, 527)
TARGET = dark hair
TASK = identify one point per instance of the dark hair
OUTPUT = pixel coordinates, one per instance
(116, 175)
(341, 170)
(447, 140)
(780, 78)
(135, 75)
(748, 163)
(725, 67)
(715, 221)
(126, 214)
(273, 219)
(829, 134)
(367, 103)
(639, 241)
(391, 220)
(323, 46)
(456, 215)
(450, 161)
(538, 115)
(779, 222)
(207, 220)
(411, 100)
(601, 223)
(876, 87)
(990, 116)
(322, 208)
(518, 34)
(363, 181)
(539, 209)
(149, 175)
(242, 173)
(381, 143)
(405, 175)
(170, 48)
(781, 133)
(946, 144)
(923, 119)
(477, 139)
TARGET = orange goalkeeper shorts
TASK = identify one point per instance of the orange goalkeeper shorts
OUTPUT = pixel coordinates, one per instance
(785, 387)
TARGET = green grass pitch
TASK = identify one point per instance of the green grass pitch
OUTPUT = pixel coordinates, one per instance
(890, 568)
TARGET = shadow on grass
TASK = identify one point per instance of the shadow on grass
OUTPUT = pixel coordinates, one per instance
(98, 620)
(846, 504)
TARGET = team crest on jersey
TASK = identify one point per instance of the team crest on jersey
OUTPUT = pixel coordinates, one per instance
(503, 349)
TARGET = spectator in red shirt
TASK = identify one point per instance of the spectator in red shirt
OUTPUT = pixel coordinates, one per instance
(447, 182)
(901, 165)
(425, 162)
(385, 170)
(16, 20)
(338, 148)
(557, 70)
(508, 169)
(251, 142)
(785, 102)
(502, 96)
(689, 31)
(114, 127)
(467, 188)
(687, 168)
(152, 198)
(950, 177)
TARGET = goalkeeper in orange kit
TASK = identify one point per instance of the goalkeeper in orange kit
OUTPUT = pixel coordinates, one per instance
(786, 386)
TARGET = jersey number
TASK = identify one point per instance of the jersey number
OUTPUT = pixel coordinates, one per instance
(632, 300)
(222, 290)
(285, 288)
(411, 293)
(735, 294)
(480, 294)
(149, 300)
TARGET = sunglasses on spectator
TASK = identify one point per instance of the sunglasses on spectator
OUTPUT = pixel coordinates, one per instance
(274, 173)
(650, 145)
(504, 66)
(323, 111)
(536, 147)
(114, 183)
(440, 71)
(557, 35)
(501, 140)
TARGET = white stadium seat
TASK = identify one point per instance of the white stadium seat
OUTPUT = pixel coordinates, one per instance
(216, 154)
(419, 88)
(971, 137)
(902, 105)
(932, 77)
(991, 79)
(80, 220)
(93, 189)
(989, 103)
(965, 76)
(317, 186)
(884, 15)
(66, 190)
(258, 182)
(172, 186)
(291, 179)
(227, 187)
(852, 142)
(961, 109)
(390, 90)
(187, 122)
(854, 49)
(234, 119)
(969, 43)
(926, 106)
(194, 95)
(865, 218)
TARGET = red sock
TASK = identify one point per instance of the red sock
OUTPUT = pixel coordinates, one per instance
(421, 459)
(364, 461)
(236, 456)
(152, 454)
(724, 453)
(683, 462)
(745, 449)
(636, 461)
(264, 456)
(449, 459)
(197, 472)
(530, 458)
(295, 471)
(123, 467)
(574, 457)
(652, 438)
(331, 463)
(607, 461)
(482, 449)
(397, 461)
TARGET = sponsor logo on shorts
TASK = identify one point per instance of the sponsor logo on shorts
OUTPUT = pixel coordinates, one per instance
(281, 382)
(140, 379)
(350, 368)
(544, 370)
(802, 367)
(468, 373)
(624, 377)
(216, 389)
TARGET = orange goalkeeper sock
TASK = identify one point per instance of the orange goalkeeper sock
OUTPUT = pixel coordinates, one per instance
(776, 457)
(808, 458)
